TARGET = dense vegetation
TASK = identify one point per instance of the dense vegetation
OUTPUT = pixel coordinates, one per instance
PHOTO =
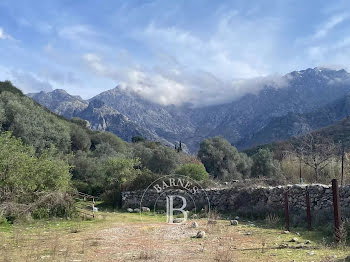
(43, 157)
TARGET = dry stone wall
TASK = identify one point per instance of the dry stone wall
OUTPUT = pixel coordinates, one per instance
(247, 199)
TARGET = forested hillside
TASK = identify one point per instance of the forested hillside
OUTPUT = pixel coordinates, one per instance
(45, 158)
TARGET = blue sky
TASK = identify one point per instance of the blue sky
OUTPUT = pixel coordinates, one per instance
(170, 52)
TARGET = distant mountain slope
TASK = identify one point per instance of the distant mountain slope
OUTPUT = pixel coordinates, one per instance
(294, 124)
(60, 102)
(270, 114)
(102, 117)
(99, 116)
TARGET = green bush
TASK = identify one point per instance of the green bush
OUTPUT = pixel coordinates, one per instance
(194, 171)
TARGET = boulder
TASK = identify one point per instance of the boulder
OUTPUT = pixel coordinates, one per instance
(200, 234)
(234, 222)
(145, 209)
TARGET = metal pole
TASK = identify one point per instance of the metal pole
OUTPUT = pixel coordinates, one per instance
(300, 177)
(308, 210)
(286, 209)
(342, 164)
(93, 207)
(336, 206)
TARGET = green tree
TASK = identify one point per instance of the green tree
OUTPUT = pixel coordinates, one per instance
(118, 171)
(264, 164)
(137, 139)
(80, 139)
(222, 160)
(194, 171)
(23, 174)
(163, 160)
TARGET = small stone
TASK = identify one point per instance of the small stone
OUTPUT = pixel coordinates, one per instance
(286, 232)
(200, 234)
(332, 256)
(234, 222)
(311, 253)
(194, 216)
(145, 209)
(195, 224)
(177, 220)
(300, 246)
(247, 233)
(283, 245)
(137, 210)
(307, 242)
(298, 234)
(130, 210)
(294, 239)
(237, 218)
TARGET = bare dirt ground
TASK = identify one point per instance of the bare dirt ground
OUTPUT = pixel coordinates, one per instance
(133, 240)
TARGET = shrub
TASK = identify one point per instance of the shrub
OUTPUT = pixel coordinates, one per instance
(194, 171)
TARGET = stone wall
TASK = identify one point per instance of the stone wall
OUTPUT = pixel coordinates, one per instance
(247, 199)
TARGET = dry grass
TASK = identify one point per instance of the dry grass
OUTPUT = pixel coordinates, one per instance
(123, 237)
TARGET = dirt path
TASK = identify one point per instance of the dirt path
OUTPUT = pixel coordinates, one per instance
(164, 242)
(126, 238)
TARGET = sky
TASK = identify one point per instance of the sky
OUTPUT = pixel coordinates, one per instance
(170, 52)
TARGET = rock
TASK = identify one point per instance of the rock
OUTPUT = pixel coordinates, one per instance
(283, 245)
(234, 222)
(311, 253)
(300, 246)
(130, 210)
(236, 217)
(195, 224)
(194, 216)
(286, 232)
(137, 210)
(177, 220)
(200, 234)
(307, 242)
(145, 209)
(294, 239)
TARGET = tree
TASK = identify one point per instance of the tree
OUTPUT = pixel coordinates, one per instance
(264, 164)
(118, 171)
(116, 143)
(80, 139)
(156, 157)
(24, 175)
(194, 171)
(136, 139)
(316, 151)
(222, 160)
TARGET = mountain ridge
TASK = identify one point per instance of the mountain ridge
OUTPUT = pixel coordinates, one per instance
(306, 91)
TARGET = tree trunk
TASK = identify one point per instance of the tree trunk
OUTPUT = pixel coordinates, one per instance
(316, 173)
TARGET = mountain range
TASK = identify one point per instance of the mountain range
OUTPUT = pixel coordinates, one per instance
(311, 99)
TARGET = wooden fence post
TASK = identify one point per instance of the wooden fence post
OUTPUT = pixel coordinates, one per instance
(286, 209)
(336, 208)
(308, 210)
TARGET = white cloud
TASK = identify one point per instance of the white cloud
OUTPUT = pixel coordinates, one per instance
(177, 85)
(218, 66)
(28, 82)
(3, 35)
(329, 25)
